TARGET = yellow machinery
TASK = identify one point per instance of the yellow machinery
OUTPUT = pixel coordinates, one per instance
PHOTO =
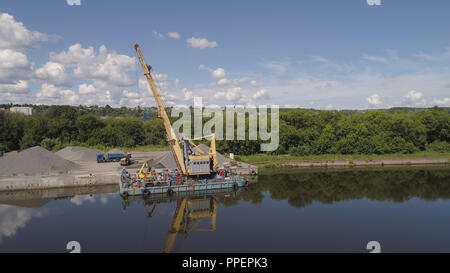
(188, 161)
(126, 160)
(144, 171)
(189, 210)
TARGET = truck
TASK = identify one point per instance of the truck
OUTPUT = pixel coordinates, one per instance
(109, 157)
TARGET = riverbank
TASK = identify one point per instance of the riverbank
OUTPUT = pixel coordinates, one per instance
(37, 168)
(421, 158)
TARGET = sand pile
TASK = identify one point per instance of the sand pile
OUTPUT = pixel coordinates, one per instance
(34, 161)
(74, 153)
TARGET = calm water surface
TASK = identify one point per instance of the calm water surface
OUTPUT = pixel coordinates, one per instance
(287, 210)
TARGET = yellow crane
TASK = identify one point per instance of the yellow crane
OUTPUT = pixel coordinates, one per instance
(187, 160)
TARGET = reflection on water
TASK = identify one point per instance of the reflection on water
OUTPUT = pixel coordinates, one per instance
(17, 208)
(13, 218)
(191, 209)
(302, 187)
(287, 210)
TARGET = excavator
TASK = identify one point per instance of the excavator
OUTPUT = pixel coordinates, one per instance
(190, 159)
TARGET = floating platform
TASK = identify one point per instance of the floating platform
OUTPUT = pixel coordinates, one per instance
(131, 187)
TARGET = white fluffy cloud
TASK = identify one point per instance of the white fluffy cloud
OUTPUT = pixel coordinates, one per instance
(14, 67)
(14, 35)
(54, 73)
(17, 88)
(414, 98)
(442, 102)
(10, 59)
(188, 95)
(218, 73)
(107, 71)
(223, 81)
(106, 66)
(414, 95)
(215, 73)
(200, 43)
(51, 94)
(160, 77)
(374, 100)
(261, 94)
(84, 89)
(130, 95)
(233, 95)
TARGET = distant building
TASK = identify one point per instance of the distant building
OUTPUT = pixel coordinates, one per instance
(28, 111)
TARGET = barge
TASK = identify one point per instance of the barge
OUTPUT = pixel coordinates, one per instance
(169, 182)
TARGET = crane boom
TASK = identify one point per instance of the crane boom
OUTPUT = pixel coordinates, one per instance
(174, 143)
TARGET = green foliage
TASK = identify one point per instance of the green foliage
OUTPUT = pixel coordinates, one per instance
(302, 132)
(155, 132)
(371, 132)
(439, 146)
(51, 143)
(301, 150)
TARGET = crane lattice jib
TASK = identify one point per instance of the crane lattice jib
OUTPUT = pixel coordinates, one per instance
(171, 137)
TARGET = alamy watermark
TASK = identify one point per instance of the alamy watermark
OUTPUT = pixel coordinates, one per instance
(259, 119)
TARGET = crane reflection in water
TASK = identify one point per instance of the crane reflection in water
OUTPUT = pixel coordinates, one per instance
(191, 209)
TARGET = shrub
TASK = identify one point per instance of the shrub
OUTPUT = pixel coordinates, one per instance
(50, 143)
(301, 150)
(439, 146)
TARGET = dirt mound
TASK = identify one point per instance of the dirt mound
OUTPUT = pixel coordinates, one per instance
(75, 153)
(34, 161)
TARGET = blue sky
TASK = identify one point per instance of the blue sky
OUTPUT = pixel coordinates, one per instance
(317, 54)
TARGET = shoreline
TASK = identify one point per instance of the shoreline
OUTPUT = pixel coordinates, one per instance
(377, 163)
(91, 174)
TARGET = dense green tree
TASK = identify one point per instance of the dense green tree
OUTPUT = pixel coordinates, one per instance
(88, 126)
(302, 132)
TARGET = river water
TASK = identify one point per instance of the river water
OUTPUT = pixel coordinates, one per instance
(286, 210)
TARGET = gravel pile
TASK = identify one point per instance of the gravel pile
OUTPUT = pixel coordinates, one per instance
(163, 160)
(75, 153)
(34, 161)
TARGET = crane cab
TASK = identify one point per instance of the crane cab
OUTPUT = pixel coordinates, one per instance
(199, 164)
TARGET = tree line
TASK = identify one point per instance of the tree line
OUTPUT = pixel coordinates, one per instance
(302, 132)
